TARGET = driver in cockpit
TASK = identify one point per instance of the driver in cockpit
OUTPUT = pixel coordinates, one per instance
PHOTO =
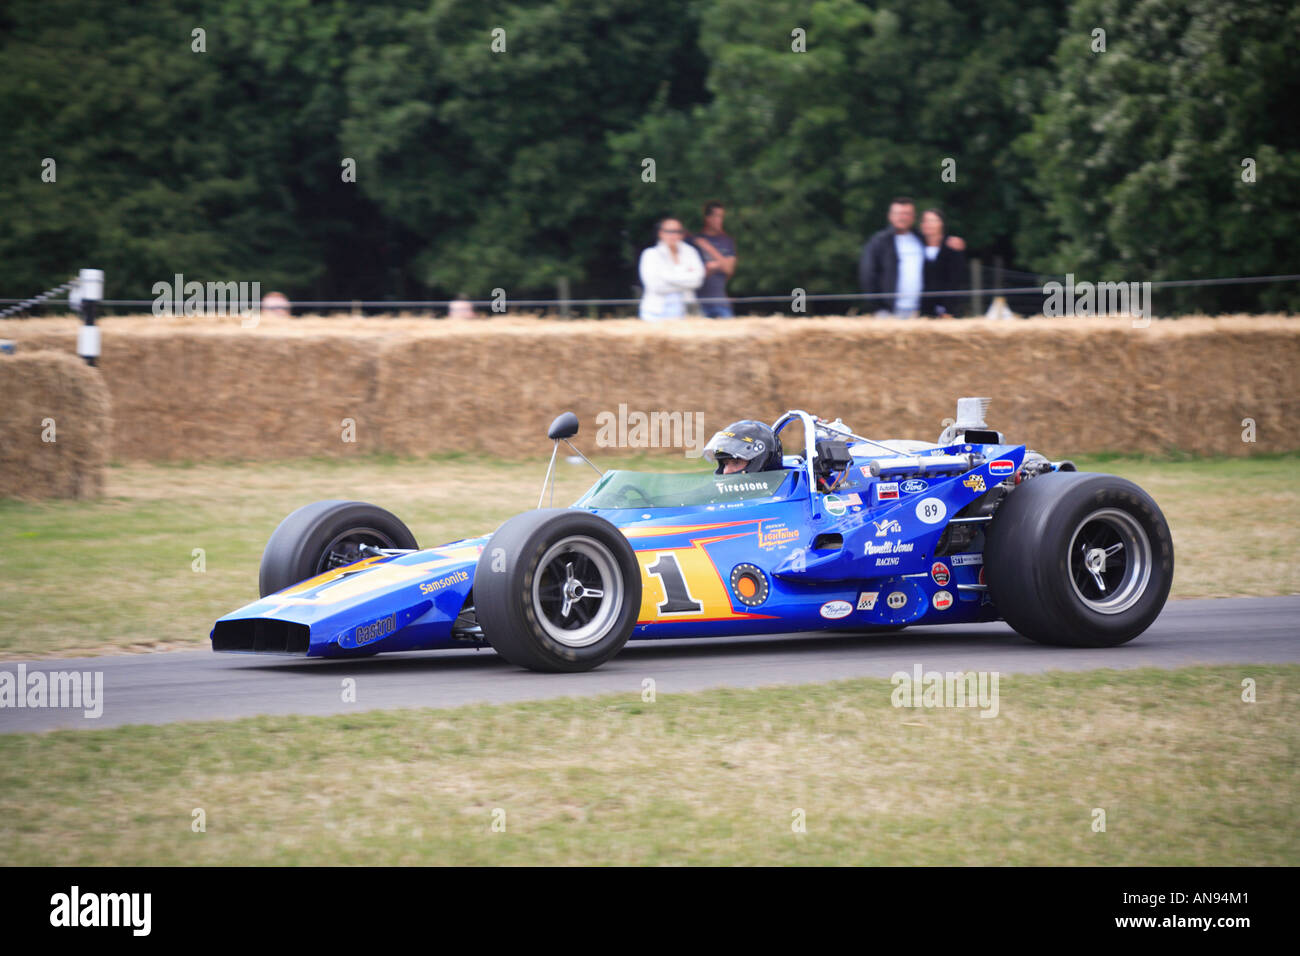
(744, 447)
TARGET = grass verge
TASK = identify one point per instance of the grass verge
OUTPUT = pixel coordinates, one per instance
(1186, 772)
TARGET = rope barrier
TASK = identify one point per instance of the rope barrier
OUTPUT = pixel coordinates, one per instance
(390, 304)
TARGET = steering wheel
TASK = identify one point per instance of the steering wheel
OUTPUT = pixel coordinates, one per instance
(625, 495)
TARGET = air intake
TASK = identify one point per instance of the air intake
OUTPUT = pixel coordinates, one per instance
(261, 636)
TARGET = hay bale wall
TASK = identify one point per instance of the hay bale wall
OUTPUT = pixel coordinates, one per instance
(1065, 387)
(56, 426)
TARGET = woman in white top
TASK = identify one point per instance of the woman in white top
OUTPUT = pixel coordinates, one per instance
(671, 271)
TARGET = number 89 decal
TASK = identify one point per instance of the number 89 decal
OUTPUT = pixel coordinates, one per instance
(931, 510)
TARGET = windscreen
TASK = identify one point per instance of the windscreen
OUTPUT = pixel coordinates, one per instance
(638, 489)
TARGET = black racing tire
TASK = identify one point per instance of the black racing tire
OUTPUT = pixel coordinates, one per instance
(324, 535)
(520, 585)
(1077, 559)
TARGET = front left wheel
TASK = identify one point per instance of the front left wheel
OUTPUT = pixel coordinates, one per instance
(557, 589)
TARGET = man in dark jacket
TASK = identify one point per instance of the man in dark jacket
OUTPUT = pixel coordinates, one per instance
(893, 262)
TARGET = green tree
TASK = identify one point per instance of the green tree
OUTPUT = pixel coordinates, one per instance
(221, 165)
(502, 143)
(807, 148)
(1138, 151)
(481, 129)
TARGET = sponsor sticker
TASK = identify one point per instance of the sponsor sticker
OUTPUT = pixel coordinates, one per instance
(896, 599)
(836, 505)
(365, 633)
(942, 600)
(975, 483)
(887, 491)
(775, 535)
(888, 526)
(730, 487)
(939, 571)
(834, 610)
(433, 587)
(1003, 466)
(867, 600)
(888, 547)
(913, 486)
(931, 510)
(962, 560)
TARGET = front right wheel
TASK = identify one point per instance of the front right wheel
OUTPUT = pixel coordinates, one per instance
(1079, 559)
(325, 535)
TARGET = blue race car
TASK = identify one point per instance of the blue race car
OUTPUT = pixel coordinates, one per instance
(853, 535)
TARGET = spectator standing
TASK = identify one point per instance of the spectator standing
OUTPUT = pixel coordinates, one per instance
(945, 268)
(461, 308)
(719, 253)
(671, 270)
(276, 305)
(893, 262)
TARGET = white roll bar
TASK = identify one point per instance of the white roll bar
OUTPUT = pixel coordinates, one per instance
(810, 441)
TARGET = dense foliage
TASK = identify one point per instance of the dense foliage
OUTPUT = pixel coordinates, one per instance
(503, 143)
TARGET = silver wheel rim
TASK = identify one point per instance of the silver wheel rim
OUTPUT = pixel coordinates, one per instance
(577, 591)
(1110, 561)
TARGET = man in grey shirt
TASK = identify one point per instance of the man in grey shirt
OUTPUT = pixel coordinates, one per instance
(718, 250)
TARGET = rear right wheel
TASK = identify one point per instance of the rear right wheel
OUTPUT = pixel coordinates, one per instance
(1079, 559)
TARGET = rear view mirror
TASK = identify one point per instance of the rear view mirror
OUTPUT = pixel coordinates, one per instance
(565, 426)
(561, 430)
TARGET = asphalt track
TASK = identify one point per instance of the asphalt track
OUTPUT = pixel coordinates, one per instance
(199, 685)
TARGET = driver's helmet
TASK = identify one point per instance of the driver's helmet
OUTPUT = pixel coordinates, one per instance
(752, 441)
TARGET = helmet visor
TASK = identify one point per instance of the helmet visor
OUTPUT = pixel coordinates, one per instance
(725, 445)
